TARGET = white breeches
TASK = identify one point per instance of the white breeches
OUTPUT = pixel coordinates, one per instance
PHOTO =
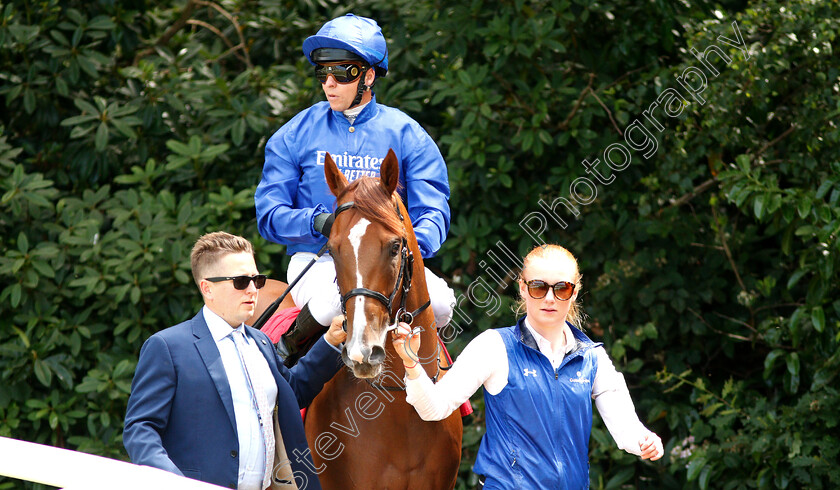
(318, 287)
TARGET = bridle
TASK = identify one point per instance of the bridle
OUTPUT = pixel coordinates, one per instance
(403, 281)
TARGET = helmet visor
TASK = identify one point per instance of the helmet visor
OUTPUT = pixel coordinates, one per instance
(327, 55)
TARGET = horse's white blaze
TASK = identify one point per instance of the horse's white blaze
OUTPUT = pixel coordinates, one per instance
(354, 344)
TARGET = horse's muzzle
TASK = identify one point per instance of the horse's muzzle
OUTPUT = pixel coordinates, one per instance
(366, 362)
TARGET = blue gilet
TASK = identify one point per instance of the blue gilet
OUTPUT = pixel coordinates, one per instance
(538, 426)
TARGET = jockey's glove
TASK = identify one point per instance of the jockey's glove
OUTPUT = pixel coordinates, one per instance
(323, 223)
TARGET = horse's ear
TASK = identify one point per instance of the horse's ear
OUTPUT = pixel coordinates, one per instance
(335, 179)
(389, 172)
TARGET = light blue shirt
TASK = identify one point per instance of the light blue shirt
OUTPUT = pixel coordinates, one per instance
(251, 446)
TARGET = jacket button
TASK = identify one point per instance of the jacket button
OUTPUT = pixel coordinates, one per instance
(352, 129)
(232, 485)
(233, 454)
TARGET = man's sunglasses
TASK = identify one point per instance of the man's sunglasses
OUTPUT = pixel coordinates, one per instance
(562, 290)
(241, 282)
(343, 73)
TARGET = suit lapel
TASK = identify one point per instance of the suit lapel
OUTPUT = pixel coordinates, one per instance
(213, 361)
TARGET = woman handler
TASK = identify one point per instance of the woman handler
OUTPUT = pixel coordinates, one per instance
(538, 378)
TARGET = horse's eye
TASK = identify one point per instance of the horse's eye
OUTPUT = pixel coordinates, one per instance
(395, 249)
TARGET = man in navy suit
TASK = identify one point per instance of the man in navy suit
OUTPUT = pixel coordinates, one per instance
(195, 407)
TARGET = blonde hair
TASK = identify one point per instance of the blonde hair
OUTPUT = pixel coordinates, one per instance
(212, 247)
(556, 252)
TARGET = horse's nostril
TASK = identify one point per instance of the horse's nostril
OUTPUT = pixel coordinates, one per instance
(377, 356)
(359, 354)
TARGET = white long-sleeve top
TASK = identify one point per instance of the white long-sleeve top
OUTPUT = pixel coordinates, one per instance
(484, 362)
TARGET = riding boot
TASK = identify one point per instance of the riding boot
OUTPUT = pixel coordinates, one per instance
(300, 337)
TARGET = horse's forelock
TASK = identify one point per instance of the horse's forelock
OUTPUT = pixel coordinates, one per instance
(374, 203)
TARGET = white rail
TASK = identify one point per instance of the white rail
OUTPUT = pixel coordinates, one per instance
(73, 470)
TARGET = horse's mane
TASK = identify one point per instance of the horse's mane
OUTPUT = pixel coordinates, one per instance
(374, 203)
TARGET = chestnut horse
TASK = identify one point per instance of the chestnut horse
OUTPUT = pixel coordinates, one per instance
(361, 432)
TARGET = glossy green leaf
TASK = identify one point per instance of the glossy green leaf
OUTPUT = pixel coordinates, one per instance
(694, 468)
(22, 243)
(101, 139)
(818, 318)
(42, 372)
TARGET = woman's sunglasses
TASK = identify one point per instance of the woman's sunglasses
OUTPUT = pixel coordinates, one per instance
(562, 290)
(241, 282)
(343, 73)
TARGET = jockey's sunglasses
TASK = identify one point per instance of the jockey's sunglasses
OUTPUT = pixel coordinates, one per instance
(242, 282)
(539, 289)
(343, 72)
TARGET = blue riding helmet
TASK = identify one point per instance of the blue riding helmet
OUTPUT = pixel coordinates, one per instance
(358, 35)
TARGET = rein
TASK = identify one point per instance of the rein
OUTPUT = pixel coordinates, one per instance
(276, 303)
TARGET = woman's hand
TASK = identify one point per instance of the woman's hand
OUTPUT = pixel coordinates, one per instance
(651, 447)
(407, 343)
(336, 334)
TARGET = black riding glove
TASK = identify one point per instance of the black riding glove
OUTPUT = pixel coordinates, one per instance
(323, 223)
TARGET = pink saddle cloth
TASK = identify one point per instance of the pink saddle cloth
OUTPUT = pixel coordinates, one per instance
(280, 322)
(277, 325)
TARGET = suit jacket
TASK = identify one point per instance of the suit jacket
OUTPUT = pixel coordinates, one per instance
(180, 413)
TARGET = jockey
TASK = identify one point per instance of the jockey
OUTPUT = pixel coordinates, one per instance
(293, 203)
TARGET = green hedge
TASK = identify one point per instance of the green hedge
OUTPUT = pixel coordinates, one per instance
(710, 260)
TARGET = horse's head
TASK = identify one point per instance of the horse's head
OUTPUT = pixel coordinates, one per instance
(368, 243)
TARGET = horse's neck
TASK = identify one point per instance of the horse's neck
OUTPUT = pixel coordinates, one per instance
(418, 296)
